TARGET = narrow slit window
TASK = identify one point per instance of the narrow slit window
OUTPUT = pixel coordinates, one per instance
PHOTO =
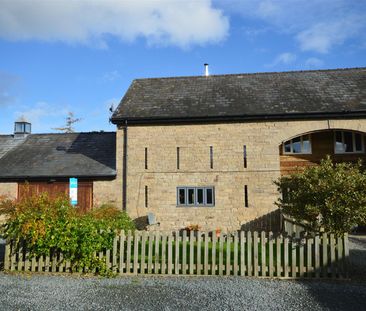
(245, 156)
(145, 158)
(178, 150)
(246, 204)
(146, 196)
(211, 157)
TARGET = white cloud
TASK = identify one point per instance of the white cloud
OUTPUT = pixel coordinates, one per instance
(322, 37)
(314, 62)
(317, 25)
(267, 8)
(252, 32)
(7, 83)
(111, 76)
(161, 22)
(286, 58)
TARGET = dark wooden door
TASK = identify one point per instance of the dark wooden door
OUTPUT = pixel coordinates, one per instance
(85, 191)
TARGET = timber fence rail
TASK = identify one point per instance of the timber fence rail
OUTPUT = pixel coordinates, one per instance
(244, 253)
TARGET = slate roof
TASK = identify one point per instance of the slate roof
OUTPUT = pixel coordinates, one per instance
(58, 155)
(9, 142)
(256, 96)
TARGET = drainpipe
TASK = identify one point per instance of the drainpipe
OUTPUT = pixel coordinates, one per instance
(124, 168)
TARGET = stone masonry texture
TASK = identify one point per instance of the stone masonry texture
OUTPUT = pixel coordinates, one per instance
(228, 175)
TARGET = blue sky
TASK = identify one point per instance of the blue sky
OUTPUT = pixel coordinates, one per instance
(58, 56)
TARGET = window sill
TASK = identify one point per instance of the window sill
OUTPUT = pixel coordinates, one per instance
(353, 152)
(194, 206)
(293, 153)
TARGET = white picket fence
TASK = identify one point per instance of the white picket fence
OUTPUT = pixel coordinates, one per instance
(197, 253)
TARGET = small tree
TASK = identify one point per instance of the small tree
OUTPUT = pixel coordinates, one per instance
(69, 124)
(329, 196)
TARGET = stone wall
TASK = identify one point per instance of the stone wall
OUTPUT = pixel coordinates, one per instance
(228, 175)
(107, 192)
(9, 189)
(110, 191)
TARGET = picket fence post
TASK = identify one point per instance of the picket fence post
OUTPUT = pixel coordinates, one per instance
(240, 253)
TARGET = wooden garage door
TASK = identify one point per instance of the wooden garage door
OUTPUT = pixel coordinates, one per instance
(85, 191)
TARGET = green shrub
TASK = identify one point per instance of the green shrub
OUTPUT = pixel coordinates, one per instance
(329, 196)
(50, 225)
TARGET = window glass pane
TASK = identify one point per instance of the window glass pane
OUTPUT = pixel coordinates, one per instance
(358, 142)
(190, 196)
(200, 196)
(339, 137)
(19, 128)
(182, 196)
(338, 143)
(27, 128)
(296, 145)
(348, 141)
(288, 146)
(209, 196)
(306, 148)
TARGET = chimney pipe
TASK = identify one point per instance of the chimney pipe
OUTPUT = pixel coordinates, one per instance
(206, 70)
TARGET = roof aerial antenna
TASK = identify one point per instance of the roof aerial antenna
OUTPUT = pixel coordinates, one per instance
(111, 108)
(206, 70)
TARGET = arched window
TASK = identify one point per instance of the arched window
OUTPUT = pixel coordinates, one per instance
(298, 145)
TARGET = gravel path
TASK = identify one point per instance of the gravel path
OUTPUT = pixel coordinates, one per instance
(41, 292)
(357, 246)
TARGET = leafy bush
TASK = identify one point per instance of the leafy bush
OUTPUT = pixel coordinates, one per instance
(329, 196)
(49, 225)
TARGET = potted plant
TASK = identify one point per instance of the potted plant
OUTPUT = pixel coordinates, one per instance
(218, 232)
(195, 228)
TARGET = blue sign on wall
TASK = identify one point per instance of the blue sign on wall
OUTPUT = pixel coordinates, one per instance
(73, 191)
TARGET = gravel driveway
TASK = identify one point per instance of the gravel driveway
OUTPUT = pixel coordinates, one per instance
(357, 247)
(48, 292)
(40, 292)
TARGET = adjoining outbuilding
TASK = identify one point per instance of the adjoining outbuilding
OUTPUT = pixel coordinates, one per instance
(35, 163)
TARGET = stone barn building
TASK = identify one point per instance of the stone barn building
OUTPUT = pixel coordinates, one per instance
(205, 150)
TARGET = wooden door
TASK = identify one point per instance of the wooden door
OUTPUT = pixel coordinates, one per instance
(85, 191)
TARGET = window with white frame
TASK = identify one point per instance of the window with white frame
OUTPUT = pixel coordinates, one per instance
(348, 142)
(195, 196)
(298, 145)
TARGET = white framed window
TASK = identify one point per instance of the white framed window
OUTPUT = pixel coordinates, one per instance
(348, 142)
(195, 196)
(298, 145)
